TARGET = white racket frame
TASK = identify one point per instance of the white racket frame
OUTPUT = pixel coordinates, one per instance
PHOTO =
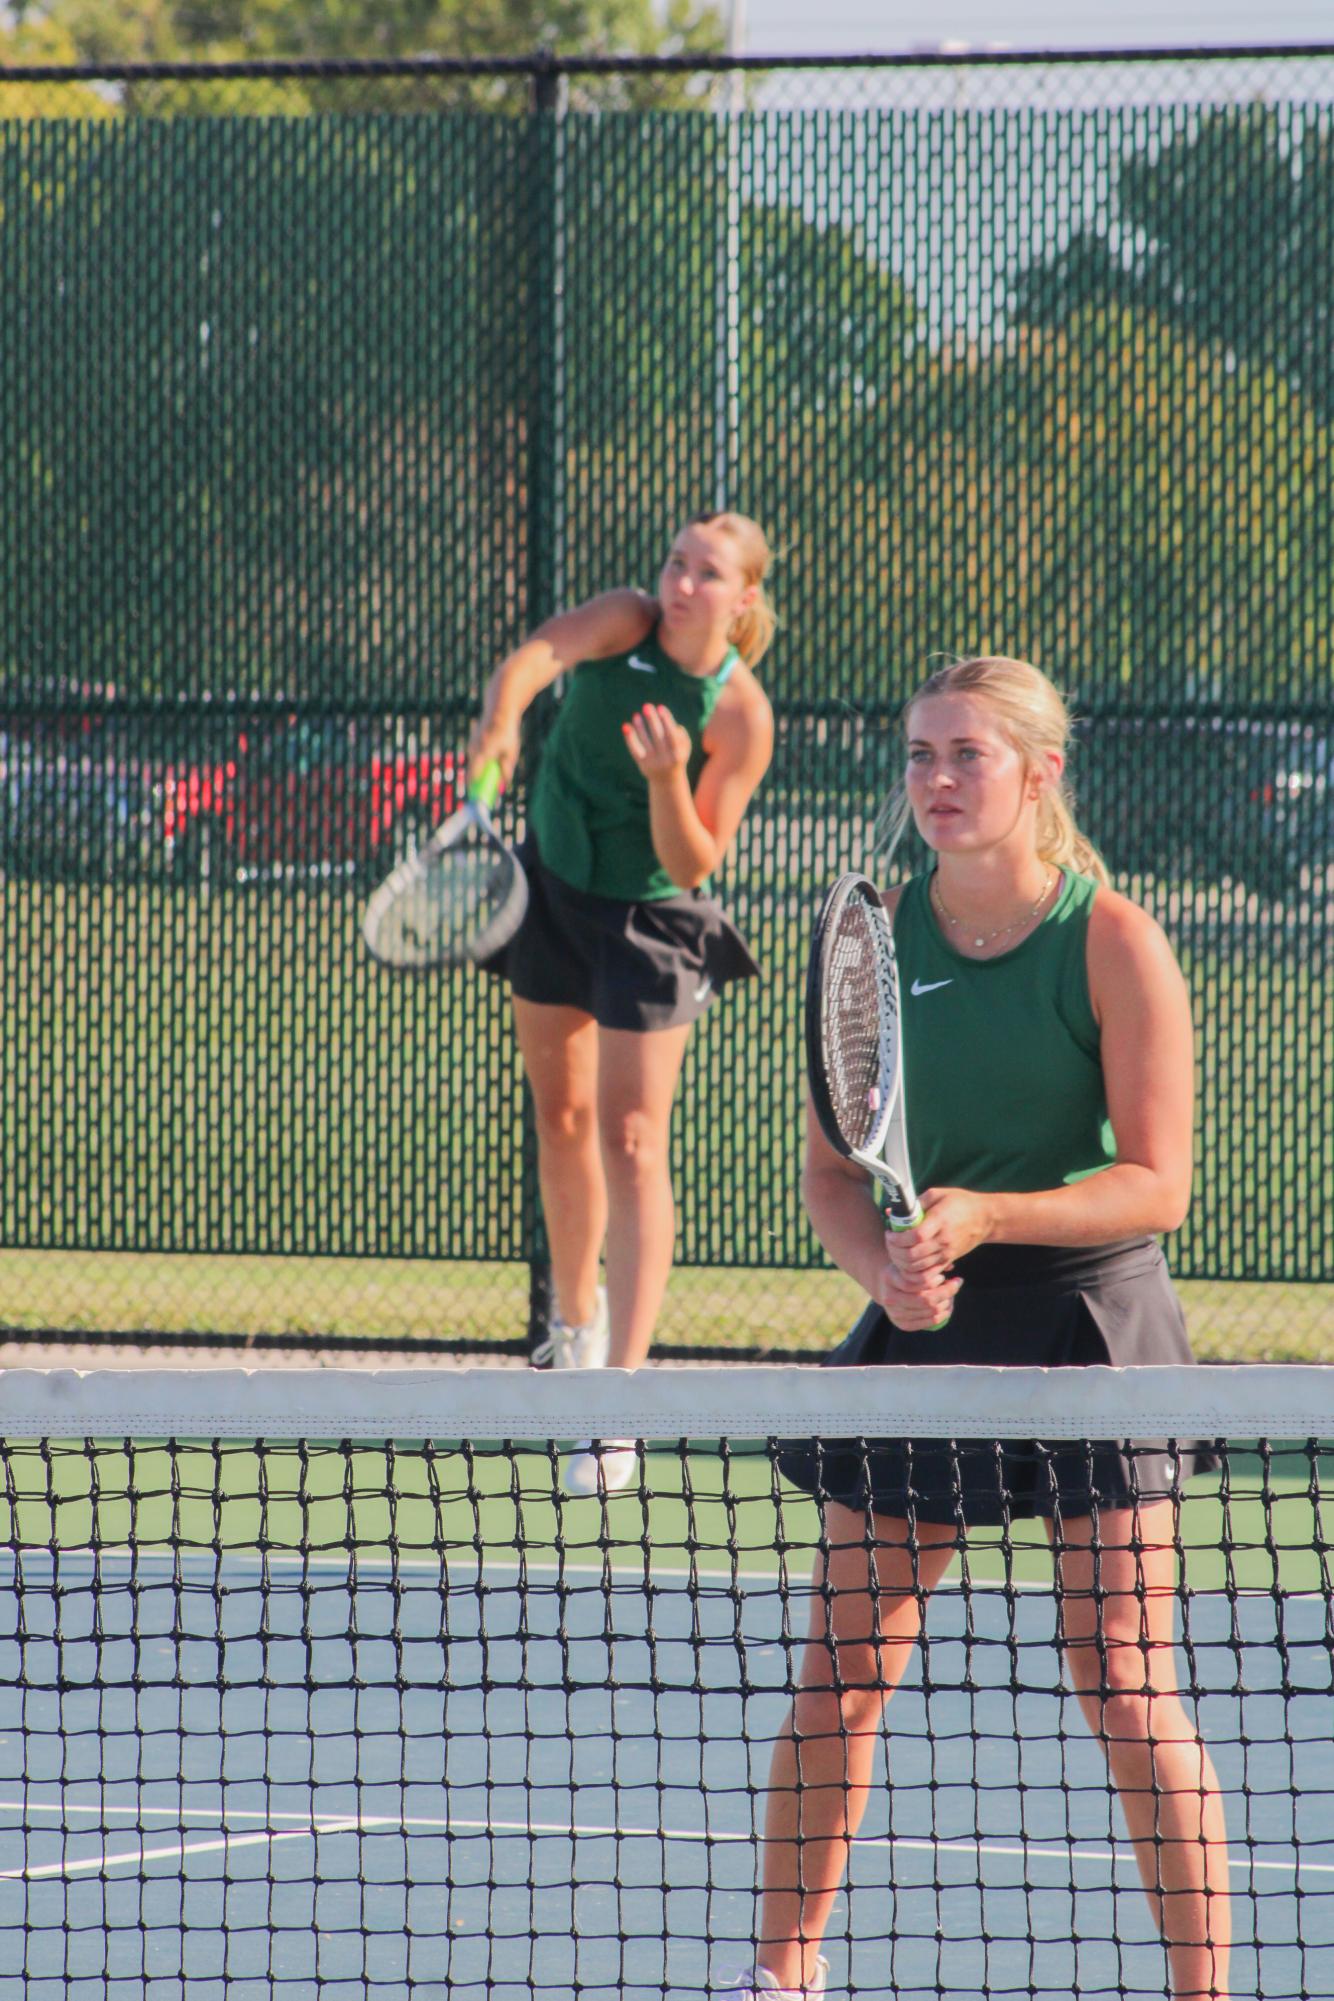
(885, 1154)
(414, 869)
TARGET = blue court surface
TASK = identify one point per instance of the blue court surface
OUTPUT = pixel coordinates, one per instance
(217, 1780)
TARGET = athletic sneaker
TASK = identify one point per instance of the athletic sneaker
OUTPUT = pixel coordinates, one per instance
(758, 1985)
(583, 1347)
(603, 1468)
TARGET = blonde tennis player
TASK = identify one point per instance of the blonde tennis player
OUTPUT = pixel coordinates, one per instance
(660, 739)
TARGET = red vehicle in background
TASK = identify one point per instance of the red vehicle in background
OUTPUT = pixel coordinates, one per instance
(296, 796)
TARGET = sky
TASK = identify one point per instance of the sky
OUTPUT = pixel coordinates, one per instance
(849, 27)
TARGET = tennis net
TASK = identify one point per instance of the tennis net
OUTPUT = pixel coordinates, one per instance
(318, 1684)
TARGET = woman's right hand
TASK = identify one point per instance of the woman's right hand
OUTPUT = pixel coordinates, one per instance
(493, 741)
(916, 1304)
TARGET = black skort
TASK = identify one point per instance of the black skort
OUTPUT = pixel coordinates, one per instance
(638, 966)
(1019, 1306)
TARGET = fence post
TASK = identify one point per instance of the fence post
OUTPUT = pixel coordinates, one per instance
(544, 534)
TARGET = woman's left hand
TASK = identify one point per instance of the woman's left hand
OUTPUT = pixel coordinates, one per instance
(656, 741)
(954, 1222)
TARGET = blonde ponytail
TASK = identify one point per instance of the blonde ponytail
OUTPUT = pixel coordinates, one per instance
(752, 631)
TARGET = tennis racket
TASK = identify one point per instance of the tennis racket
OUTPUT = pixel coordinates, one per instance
(854, 1042)
(460, 897)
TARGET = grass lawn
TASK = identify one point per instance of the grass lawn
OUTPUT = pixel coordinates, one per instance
(220, 1116)
(322, 1304)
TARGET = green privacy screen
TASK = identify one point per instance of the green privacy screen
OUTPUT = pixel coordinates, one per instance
(320, 389)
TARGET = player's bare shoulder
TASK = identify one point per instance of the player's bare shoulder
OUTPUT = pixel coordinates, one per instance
(1127, 945)
(604, 626)
(742, 725)
(1117, 922)
(627, 617)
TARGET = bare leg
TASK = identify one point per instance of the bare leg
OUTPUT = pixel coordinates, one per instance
(1121, 1655)
(637, 1079)
(866, 1615)
(559, 1046)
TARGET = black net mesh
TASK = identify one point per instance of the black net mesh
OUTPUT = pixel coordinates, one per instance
(287, 1713)
(323, 385)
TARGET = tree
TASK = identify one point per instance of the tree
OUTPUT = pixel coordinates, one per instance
(280, 386)
(105, 31)
(243, 442)
(38, 40)
(1118, 501)
(307, 404)
(1226, 232)
(651, 281)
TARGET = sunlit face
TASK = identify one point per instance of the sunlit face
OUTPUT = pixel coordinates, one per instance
(703, 587)
(968, 786)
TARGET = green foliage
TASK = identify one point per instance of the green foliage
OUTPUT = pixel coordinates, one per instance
(1126, 505)
(649, 273)
(1226, 233)
(35, 39)
(352, 30)
(252, 442)
(331, 405)
(1196, 336)
(276, 431)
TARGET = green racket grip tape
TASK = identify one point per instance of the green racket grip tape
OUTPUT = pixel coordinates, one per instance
(485, 788)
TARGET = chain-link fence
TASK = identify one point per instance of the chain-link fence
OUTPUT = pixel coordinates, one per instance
(323, 384)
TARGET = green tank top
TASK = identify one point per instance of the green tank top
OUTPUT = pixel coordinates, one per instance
(1002, 1059)
(589, 807)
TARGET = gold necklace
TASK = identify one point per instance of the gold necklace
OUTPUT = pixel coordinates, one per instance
(985, 938)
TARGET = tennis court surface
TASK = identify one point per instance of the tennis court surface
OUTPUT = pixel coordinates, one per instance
(315, 1684)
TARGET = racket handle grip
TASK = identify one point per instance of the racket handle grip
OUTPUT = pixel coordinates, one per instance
(910, 1223)
(485, 788)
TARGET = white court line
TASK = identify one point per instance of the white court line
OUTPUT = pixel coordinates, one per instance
(297, 1823)
(1114, 1858)
(101, 1865)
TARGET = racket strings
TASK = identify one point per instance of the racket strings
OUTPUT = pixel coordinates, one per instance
(448, 907)
(459, 889)
(852, 1034)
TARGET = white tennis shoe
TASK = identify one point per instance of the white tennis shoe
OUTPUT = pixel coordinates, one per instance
(601, 1468)
(611, 1464)
(759, 1985)
(583, 1347)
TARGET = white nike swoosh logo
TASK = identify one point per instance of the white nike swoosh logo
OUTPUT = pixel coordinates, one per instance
(704, 989)
(642, 666)
(930, 987)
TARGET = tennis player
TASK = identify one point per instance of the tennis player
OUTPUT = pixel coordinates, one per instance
(660, 739)
(1049, 1074)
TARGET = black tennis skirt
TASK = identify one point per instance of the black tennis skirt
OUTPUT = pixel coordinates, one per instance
(638, 966)
(1019, 1306)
